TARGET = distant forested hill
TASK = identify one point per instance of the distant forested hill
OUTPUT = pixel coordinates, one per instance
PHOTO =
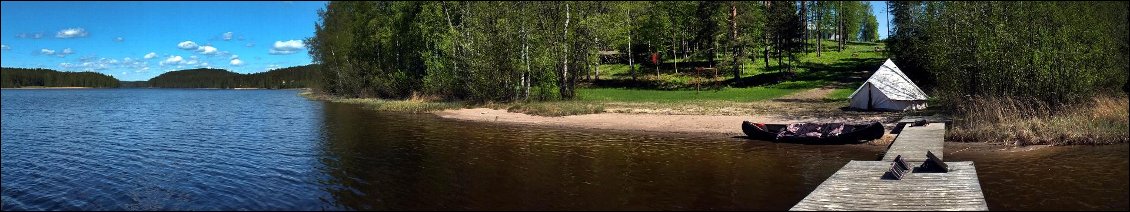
(23, 77)
(292, 77)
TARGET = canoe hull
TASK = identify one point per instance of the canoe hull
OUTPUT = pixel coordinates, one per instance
(770, 132)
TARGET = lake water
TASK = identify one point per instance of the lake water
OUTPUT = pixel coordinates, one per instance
(168, 149)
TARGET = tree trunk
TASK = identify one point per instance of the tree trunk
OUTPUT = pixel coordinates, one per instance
(631, 58)
(778, 49)
(597, 69)
(734, 40)
(804, 21)
(564, 76)
(766, 35)
(526, 57)
(819, 36)
(455, 40)
(888, 14)
(840, 29)
(682, 46)
(676, 55)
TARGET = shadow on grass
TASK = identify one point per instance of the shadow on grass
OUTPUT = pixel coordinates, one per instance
(844, 73)
(687, 67)
(841, 74)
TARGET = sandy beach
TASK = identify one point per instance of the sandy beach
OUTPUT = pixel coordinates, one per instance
(666, 123)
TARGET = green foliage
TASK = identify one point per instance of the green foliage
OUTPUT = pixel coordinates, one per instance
(854, 14)
(519, 51)
(22, 77)
(870, 29)
(1054, 52)
(480, 51)
(291, 77)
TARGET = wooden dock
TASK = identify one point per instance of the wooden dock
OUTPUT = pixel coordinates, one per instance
(859, 186)
(913, 142)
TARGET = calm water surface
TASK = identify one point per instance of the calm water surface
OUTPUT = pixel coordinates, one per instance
(164, 149)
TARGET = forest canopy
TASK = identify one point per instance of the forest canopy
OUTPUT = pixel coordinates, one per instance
(24, 77)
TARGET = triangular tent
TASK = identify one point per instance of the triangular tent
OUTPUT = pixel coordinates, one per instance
(888, 89)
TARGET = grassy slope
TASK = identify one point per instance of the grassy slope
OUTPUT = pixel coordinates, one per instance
(839, 70)
(678, 93)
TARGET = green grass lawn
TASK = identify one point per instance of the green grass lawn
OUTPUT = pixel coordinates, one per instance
(725, 94)
(840, 94)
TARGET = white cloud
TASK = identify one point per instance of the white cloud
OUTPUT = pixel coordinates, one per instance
(272, 67)
(234, 56)
(143, 69)
(37, 35)
(101, 64)
(207, 50)
(71, 33)
(5, 47)
(172, 60)
(228, 35)
(187, 45)
(286, 47)
(191, 62)
(119, 39)
(151, 55)
(250, 45)
(236, 62)
(62, 53)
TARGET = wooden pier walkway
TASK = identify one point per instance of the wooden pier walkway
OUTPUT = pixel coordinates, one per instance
(859, 184)
(913, 142)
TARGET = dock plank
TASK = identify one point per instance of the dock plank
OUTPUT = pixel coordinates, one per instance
(857, 186)
(913, 142)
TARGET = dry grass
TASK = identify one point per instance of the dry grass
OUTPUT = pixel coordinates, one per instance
(415, 104)
(1020, 122)
(559, 108)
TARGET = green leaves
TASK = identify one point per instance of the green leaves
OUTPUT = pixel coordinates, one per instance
(1055, 52)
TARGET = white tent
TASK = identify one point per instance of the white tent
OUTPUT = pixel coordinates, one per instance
(888, 89)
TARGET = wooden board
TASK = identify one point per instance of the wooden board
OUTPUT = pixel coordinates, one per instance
(913, 142)
(857, 186)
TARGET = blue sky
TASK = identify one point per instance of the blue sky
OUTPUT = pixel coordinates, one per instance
(879, 8)
(139, 40)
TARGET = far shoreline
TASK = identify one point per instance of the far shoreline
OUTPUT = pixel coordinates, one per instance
(45, 88)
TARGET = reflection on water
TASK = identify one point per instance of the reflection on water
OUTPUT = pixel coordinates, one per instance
(1055, 178)
(400, 161)
(167, 149)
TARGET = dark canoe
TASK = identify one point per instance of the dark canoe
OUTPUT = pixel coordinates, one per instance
(851, 133)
